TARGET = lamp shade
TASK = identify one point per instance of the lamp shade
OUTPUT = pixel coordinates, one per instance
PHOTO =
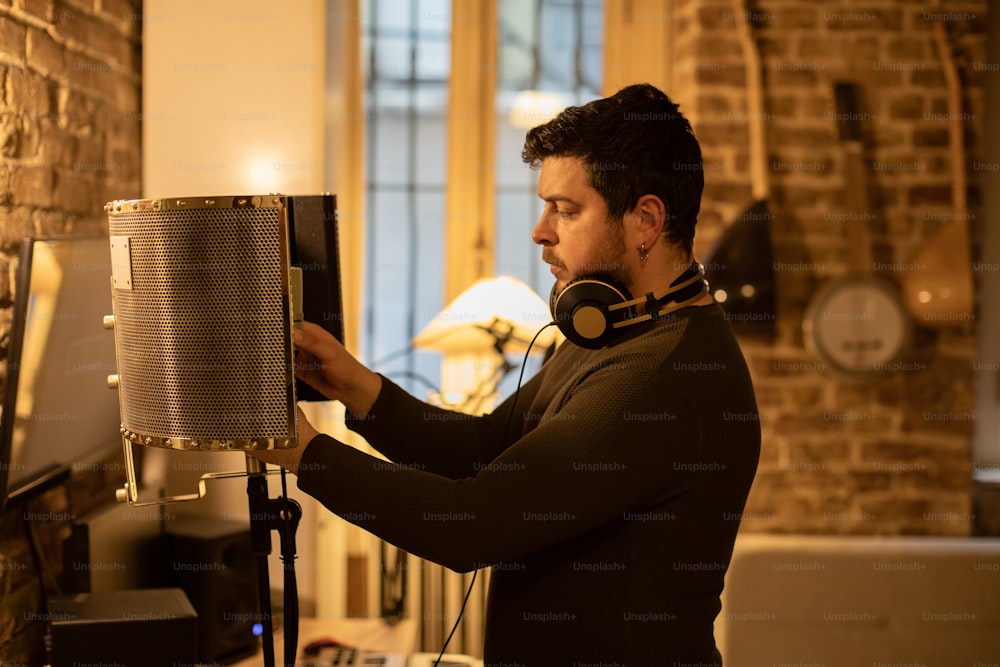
(491, 311)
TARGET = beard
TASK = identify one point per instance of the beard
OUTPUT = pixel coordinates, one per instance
(608, 263)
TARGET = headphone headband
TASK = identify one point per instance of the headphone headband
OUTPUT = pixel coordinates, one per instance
(675, 287)
(591, 311)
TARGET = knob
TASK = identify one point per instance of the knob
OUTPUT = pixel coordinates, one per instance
(109, 321)
(113, 381)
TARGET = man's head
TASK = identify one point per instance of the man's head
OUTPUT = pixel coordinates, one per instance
(631, 144)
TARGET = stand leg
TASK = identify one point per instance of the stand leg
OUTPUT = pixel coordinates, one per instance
(283, 515)
(260, 539)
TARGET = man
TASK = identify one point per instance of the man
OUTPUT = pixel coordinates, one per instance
(606, 494)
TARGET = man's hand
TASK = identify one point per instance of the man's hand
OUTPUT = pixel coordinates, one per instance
(323, 363)
(289, 458)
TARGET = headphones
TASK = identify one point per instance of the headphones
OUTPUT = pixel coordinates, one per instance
(591, 311)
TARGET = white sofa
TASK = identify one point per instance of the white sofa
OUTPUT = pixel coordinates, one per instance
(854, 601)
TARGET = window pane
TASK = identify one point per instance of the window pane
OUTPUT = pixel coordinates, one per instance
(392, 58)
(409, 44)
(431, 154)
(391, 150)
(391, 15)
(433, 60)
(541, 53)
(434, 19)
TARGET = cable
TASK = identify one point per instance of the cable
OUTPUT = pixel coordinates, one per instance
(287, 525)
(503, 434)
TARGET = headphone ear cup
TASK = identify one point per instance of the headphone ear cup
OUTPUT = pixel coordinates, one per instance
(581, 312)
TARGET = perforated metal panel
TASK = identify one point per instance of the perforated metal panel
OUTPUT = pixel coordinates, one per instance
(202, 325)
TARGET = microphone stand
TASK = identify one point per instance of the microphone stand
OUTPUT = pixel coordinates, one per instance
(281, 514)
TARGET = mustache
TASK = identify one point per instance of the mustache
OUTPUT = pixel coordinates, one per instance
(549, 258)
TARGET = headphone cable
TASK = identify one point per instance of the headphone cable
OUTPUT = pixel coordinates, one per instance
(503, 434)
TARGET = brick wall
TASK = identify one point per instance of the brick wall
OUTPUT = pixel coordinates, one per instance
(70, 140)
(881, 455)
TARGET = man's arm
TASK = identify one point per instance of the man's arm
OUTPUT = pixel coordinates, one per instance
(571, 474)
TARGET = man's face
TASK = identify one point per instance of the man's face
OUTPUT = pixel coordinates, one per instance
(576, 236)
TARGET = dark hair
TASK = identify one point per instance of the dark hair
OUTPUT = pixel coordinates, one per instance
(633, 143)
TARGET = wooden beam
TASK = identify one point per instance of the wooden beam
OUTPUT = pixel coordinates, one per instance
(469, 198)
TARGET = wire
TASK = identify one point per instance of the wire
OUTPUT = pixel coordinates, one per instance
(503, 435)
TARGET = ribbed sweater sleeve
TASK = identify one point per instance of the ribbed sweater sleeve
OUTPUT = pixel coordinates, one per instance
(445, 442)
(538, 492)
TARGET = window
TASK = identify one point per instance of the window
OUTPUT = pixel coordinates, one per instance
(407, 55)
(547, 45)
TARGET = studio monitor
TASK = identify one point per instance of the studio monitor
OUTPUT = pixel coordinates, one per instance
(212, 561)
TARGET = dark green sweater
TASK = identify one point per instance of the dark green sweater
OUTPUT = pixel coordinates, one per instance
(607, 508)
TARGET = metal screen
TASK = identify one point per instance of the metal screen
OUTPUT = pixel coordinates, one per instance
(202, 322)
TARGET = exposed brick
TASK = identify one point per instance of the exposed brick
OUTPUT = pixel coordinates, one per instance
(890, 134)
(921, 195)
(731, 192)
(795, 75)
(782, 105)
(717, 18)
(28, 137)
(12, 38)
(42, 9)
(862, 18)
(28, 92)
(15, 224)
(864, 47)
(718, 48)
(10, 134)
(31, 186)
(44, 55)
(124, 14)
(714, 106)
(907, 48)
(907, 107)
(6, 299)
(721, 134)
(927, 78)
(717, 74)
(792, 18)
(75, 191)
(966, 18)
(774, 47)
(886, 75)
(808, 450)
(911, 477)
(58, 146)
(813, 47)
(77, 112)
(951, 421)
(809, 136)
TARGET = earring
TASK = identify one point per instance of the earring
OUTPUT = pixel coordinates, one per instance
(643, 253)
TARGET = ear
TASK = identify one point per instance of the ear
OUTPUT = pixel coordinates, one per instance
(650, 214)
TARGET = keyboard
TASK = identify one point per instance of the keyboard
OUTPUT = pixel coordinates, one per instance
(340, 656)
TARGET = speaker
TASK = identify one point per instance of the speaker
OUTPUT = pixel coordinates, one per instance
(154, 627)
(212, 561)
